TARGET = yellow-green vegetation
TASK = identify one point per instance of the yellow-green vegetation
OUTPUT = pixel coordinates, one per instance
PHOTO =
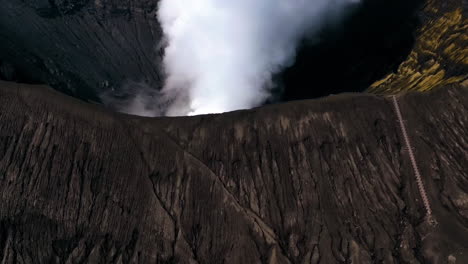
(439, 56)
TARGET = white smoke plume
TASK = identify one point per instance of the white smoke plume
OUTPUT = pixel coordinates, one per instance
(221, 54)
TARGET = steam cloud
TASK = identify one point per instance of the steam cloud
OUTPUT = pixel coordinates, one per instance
(221, 54)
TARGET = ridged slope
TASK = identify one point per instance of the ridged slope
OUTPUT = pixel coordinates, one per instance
(319, 181)
(440, 54)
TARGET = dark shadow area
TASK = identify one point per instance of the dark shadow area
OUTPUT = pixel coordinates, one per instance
(371, 42)
(10, 72)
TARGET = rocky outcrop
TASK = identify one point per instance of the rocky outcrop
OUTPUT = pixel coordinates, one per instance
(324, 181)
(439, 56)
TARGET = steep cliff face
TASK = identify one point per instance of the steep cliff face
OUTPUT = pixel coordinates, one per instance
(82, 47)
(322, 181)
(439, 56)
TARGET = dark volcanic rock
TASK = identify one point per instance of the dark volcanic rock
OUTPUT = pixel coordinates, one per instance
(83, 47)
(324, 181)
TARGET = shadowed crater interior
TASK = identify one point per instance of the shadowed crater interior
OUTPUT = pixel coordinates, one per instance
(369, 43)
(348, 56)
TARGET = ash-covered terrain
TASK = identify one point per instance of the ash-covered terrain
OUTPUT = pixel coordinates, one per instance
(328, 180)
